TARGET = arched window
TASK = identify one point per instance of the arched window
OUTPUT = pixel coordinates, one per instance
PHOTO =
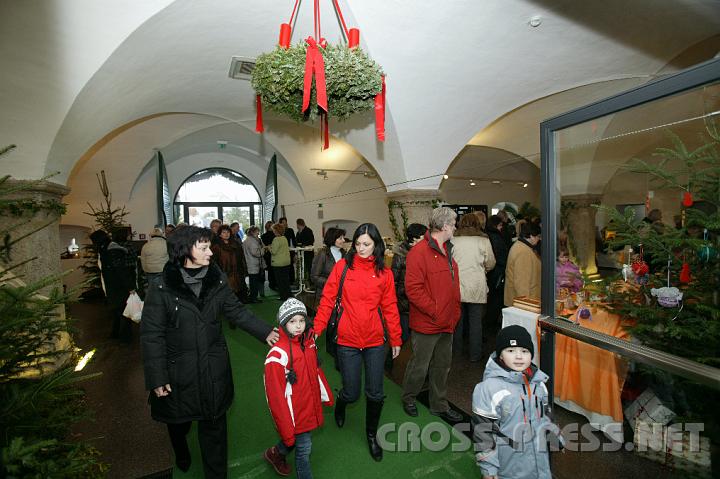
(217, 193)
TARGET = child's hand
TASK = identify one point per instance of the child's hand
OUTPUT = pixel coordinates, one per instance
(395, 351)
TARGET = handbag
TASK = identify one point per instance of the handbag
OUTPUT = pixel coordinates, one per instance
(331, 331)
(133, 308)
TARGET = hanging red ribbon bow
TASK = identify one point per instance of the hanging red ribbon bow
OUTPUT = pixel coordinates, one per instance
(314, 66)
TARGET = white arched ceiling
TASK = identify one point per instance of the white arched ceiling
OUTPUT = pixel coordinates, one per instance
(49, 50)
(453, 68)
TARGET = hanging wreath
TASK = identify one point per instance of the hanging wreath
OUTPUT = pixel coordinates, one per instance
(314, 80)
(352, 80)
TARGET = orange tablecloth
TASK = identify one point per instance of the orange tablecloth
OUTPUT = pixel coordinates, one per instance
(588, 380)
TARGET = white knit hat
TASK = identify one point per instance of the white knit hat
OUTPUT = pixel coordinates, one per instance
(290, 308)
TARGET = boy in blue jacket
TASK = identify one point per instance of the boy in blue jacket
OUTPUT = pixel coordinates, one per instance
(510, 412)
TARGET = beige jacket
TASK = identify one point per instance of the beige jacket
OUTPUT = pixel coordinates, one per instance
(522, 274)
(154, 255)
(474, 256)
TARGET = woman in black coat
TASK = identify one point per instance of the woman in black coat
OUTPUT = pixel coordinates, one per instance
(324, 262)
(413, 235)
(186, 361)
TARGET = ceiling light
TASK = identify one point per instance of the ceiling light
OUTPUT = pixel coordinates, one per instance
(525, 185)
(535, 21)
(495, 182)
(472, 182)
(445, 177)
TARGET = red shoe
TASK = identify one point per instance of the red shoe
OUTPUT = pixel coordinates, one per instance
(277, 461)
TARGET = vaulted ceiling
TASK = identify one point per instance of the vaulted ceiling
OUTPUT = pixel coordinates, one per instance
(103, 83)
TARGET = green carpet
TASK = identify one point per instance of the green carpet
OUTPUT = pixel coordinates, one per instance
(335, 452)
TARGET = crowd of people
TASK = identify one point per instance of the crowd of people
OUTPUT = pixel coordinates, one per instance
(446, 278)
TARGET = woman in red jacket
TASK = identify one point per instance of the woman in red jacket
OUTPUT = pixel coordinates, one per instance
(369, 310)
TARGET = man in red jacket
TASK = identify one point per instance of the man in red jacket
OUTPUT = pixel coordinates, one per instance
(433, 288)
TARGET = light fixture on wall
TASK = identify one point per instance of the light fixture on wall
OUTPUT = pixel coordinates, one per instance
(525, 185)
(496, 182)
(324, 172)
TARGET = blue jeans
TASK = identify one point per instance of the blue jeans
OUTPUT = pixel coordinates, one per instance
(303, 447)
(351, 362)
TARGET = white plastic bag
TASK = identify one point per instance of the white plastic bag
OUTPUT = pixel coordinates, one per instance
(134, 307)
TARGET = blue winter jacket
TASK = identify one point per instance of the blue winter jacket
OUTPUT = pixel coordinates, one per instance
(512, 430)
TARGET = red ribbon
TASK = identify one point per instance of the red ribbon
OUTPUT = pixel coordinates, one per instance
(258, 115)
(380, 113)
(314, 65)
(326, 132)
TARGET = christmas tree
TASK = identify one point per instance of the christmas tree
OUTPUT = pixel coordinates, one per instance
(39, 396)
(107, 218)
(672, 303)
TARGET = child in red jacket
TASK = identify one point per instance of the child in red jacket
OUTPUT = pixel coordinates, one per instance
(296, 389)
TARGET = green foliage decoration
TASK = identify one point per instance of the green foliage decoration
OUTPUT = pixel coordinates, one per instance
(693, 331)
(398, 232)
(39, 396)
(352, 80)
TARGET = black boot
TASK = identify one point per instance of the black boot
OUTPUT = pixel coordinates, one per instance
(372, 418)
(340, 411)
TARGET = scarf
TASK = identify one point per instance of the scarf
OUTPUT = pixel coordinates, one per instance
(193, 278)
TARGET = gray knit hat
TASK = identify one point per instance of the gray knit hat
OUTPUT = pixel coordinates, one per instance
(290, 308)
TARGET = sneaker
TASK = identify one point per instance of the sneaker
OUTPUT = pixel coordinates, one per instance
(277, 461)
(449, 416)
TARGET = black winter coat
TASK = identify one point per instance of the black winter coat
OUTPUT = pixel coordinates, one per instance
(322, 265)
(118, 272)
(183, 345)
(496, 276)
(398, 268)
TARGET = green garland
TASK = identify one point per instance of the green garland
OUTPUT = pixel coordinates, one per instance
(394, 204)
(19, 208)
(352, 80)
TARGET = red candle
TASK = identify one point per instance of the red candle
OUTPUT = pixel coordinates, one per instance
(285, 32)
(353, 37)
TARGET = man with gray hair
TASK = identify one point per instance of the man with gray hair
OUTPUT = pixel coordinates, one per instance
(433, 289)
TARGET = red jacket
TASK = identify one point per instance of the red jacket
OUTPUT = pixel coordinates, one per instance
(365, 293)
(432, 287)
(295, 408)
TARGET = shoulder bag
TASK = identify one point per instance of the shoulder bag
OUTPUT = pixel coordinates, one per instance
(331, 331)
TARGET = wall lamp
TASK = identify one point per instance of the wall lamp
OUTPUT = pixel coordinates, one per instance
(324, 172)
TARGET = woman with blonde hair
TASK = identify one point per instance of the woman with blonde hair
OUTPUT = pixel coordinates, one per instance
(474, 255)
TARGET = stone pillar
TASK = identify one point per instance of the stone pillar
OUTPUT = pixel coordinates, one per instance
(581, 230)
(417, 205)
(44, 244)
